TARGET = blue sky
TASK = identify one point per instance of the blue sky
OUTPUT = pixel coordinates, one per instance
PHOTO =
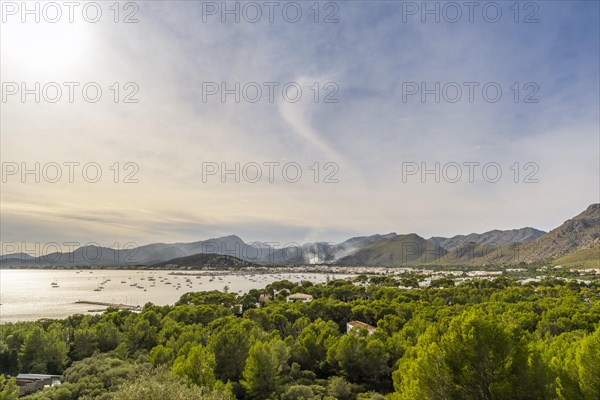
(370, 55)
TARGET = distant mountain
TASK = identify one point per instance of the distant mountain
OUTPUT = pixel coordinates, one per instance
(307, 253)
(319, 252)
(143, 255)
(362, 240)
(16, 256)
(578, 233)
(231, 245)
(494, 238)
(15, 259)
(399, 250)
(468, 253)
(575, 242)
(202, 261)
(85, 255)
(354, 244)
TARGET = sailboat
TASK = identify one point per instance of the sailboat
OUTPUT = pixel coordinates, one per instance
(54, 284)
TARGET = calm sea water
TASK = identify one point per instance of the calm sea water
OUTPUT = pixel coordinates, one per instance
(27, 295)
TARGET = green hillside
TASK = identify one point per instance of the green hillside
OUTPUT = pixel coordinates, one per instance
(401, 250)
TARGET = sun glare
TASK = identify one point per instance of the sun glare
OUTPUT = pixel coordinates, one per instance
(42, 48)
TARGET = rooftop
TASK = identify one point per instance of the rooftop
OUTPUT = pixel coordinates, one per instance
(38, 376)
(359, 324)
(299, 296)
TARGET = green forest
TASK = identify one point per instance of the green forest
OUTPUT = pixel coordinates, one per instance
(481, 340)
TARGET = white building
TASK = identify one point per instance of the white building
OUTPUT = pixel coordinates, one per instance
(305, 298)
(359, 325)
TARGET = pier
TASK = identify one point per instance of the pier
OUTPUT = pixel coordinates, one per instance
(120, 306)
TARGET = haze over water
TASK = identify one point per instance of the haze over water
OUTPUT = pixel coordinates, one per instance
(28, 295)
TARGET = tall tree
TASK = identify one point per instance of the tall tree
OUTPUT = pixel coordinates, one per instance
(197, 366)
(588, 365)
(230, 342)
(476, 358)
(360, 358)
(310, 349)
(264, 366)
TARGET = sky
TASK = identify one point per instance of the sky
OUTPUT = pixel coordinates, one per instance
(345, 118)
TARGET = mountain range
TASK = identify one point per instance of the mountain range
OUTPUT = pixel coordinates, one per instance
(575, 242)
(494, 238)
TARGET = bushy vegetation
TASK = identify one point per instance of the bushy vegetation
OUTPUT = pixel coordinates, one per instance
(8, 389)
(480, 339)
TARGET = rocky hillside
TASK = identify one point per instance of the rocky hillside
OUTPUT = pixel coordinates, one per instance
(575, 241)
(578, 233)
(492, 238)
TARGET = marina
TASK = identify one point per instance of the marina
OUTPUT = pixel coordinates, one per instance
(30, 294)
